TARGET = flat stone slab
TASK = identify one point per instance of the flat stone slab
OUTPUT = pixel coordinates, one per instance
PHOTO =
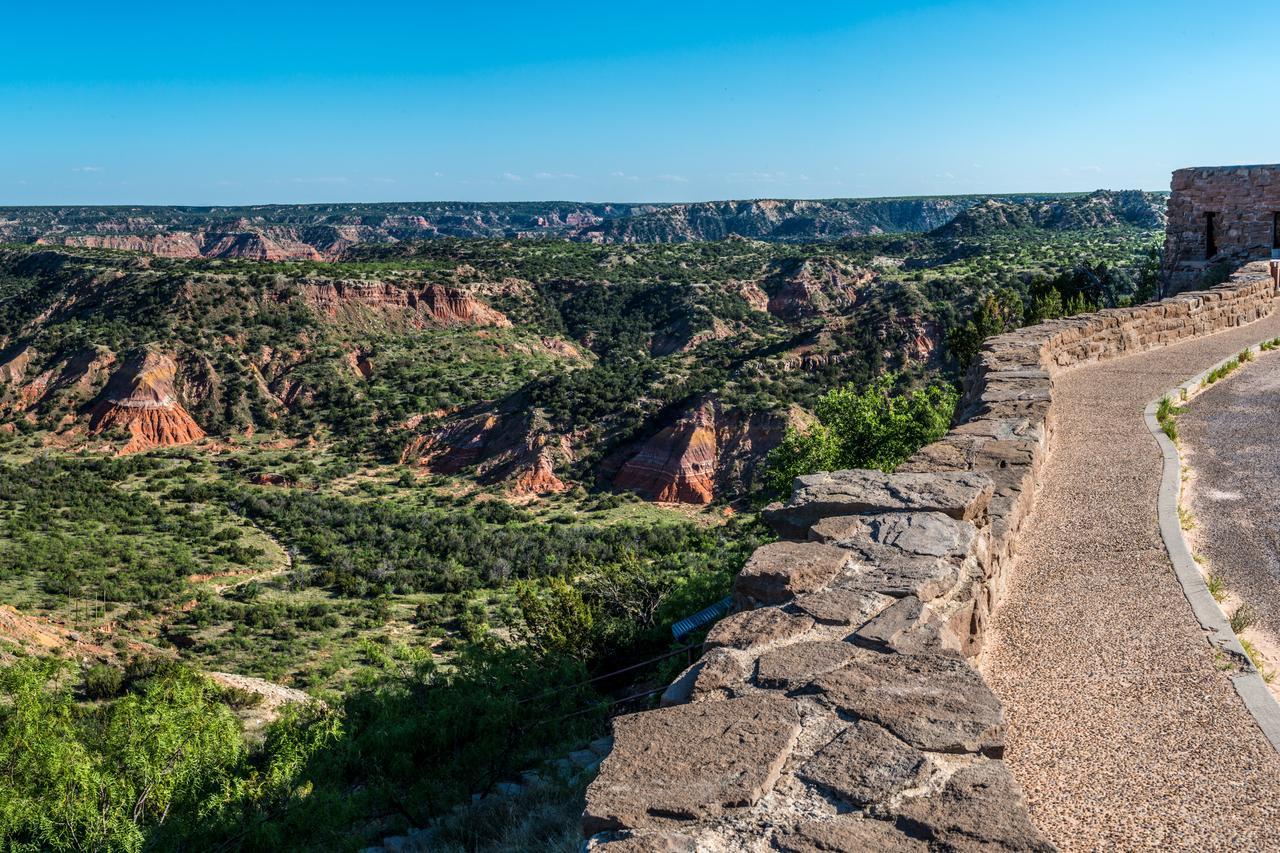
(797, 664)
(980, 808)
(849, 832)
(959, 494)
(755, 628)
(910, 627)
(865, 765)
(935, 702)
(902, 554)
(721, 672)
(780, 571)
(929, 534)
(691, 762)
(842, 606)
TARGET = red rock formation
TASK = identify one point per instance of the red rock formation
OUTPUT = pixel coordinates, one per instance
(754, 296)
(697, 457)
(13, 370)
(75, 376)
(140, 398)
(431, 304)
(560, 347)
(678, 465)
(176, 244)
(276, 245)
(507, 445)
(815, 287)
(539, 478)
(360, 363)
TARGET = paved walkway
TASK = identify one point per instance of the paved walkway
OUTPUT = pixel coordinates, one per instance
(1231, 438)
(1123, 733)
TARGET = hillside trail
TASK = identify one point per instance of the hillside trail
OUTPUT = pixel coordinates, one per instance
(1123, 731)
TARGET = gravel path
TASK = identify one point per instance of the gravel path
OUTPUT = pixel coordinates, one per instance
(1123, 733)
(1229, 437)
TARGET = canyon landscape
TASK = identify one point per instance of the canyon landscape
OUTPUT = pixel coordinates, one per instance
(637, 428)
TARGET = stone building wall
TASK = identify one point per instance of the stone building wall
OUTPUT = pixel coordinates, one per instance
(1245, 203)
(837, 708)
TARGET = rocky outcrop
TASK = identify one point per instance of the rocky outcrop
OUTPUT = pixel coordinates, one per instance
(813, 287)
(353, 300)
(176, 244)
(507, 443)
(1100, 209)
(696, 458)
(140, 399)
(897, 741)
(311, 232)
(31, 381)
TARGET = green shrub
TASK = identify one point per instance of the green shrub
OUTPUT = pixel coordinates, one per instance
(1243, 618)
(103, 682)
(875, 428)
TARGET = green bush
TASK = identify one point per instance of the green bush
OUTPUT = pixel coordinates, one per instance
(875, 428)
(103, 682)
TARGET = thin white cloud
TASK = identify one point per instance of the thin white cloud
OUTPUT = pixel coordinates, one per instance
(321, 180)
(673, 179)
(561, 176)
(383, 180)
(511, 176)
(760, 177)
(86, 169)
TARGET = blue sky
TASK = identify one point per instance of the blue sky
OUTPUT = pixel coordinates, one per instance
(279, 102)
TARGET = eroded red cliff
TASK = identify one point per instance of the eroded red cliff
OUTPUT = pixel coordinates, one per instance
(430, 304)
(701, 455)
(140, 399)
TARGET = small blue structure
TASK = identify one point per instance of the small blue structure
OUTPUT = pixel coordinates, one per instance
(702, 617)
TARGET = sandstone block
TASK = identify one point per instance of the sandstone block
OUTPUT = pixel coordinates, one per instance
(980, 808)
(799, 663)
(780, 571)
(849, 832)
(690, 762)
(865, 765)
(842, 606)
(722, 672)
(899, 554)
(962, 495)
(935, 702)
(753, 629)
(909, 626)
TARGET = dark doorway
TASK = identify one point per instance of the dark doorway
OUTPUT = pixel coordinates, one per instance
(1275, 232)
(1210, 243)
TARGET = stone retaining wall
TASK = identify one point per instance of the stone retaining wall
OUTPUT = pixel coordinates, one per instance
(837, 709)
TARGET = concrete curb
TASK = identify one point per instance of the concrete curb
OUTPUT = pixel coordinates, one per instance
(1253, 691)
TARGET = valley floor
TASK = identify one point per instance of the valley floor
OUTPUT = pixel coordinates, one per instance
(1123, 731)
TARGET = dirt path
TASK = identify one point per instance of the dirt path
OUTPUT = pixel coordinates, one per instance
(1123, 731)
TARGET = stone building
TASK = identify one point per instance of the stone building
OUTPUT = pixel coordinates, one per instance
(1219, 219)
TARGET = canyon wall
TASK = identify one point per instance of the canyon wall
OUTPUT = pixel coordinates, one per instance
(837, 708)
(1226, 215)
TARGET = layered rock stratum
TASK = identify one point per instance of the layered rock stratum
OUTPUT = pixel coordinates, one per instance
(326, 232)
(141, 400)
